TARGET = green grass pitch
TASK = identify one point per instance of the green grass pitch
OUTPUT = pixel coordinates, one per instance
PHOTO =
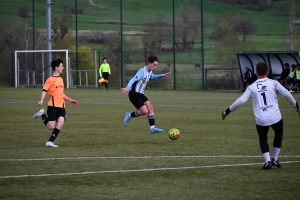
(99, 158)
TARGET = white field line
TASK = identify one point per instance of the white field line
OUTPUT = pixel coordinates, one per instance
(136, 170)
(141, 157)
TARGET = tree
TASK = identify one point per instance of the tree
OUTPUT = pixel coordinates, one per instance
(291, 32)
(157, 34)
(61, 24)
(187, 25)
(282, 8)
(225, 32)
(16, 34)
(244, 27)
(24, 12)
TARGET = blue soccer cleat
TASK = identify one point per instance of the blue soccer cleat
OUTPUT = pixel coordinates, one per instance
(127, 118)
(156, 130)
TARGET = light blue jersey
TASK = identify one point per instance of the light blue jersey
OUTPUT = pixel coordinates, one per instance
(139, 82)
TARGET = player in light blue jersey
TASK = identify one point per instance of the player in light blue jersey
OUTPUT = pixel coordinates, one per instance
(263, 93)
(135, 90)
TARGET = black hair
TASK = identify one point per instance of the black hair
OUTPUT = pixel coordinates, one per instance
(287, 64)
(56, 63)
(152, 59)
(104, 58)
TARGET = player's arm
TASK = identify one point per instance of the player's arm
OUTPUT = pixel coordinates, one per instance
(286, 94)
(42, 97)
(238, 103)
(72, 101)
(158, 76)
(100, 71)
(138, 76)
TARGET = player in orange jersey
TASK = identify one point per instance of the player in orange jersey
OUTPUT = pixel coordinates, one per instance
(56, 112)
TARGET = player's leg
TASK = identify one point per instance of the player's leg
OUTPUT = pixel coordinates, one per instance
(137, 102)
(41, 113)
(105, 76)
(278, 130)
(59, 115)
(264, 146)
(151, 119)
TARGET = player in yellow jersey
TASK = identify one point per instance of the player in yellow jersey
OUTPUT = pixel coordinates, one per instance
(56, 112)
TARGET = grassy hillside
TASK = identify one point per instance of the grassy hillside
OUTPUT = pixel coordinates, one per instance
(270, 34)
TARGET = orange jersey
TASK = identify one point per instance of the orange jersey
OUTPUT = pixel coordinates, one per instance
(54, 85)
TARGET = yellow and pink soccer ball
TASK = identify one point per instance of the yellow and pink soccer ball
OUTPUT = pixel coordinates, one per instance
(174, 133)
(101, 80)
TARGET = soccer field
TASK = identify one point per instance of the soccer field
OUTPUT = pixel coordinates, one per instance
(99, 158)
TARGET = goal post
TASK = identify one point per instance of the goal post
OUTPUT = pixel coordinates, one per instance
(30, 66)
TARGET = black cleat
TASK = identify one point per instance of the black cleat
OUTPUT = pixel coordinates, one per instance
(275, 163)
(267, 165)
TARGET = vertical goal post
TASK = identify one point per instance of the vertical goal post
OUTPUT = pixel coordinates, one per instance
(17, 67)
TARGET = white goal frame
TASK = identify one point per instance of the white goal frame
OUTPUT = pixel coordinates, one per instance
(41, 51)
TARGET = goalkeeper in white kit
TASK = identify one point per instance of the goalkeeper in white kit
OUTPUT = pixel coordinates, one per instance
(266, 110)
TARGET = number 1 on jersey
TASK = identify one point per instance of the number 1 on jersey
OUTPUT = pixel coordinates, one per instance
(264, 97)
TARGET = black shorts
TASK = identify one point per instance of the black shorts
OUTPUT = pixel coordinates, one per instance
(290, 80)
(105, 75)
(54, 113)
(137, 99)
(296, 82)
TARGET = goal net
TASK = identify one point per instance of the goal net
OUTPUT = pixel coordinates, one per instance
(33, 67)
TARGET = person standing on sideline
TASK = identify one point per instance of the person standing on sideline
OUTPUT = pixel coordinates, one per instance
(248, 78)
(266, 110)
(104, 71)
(56, 112)
(284, 74)
(135, 90)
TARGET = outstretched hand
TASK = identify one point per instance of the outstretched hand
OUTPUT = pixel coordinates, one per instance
(74, 103)
(167, 74)
(125, 90)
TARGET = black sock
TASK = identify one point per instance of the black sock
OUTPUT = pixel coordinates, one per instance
(45, 119)
(106, 85)
(54, 134)
(151, 120)
(134, 114)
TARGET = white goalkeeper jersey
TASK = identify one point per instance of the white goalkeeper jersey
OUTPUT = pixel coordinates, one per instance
(264, 100)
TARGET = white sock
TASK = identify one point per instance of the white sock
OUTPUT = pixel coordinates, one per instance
(152, 127)
(276, 152)
(267, 157)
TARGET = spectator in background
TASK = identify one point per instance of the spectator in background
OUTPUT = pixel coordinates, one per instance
(296, 82)
(291, 76)
(284, 74)
(248, 77)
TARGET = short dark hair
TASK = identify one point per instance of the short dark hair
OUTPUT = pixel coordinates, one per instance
(293, 66)
(262, 69)
(56, 63)
(287, 64)
(152, 59)
(104, 58)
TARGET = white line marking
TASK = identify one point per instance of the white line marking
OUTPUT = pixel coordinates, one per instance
(143, 157)
(136, 170)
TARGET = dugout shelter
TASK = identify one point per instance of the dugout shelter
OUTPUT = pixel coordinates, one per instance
(275, 61)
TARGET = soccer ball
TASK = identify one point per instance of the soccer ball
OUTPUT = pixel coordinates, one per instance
(174, 134)
(101, 80)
